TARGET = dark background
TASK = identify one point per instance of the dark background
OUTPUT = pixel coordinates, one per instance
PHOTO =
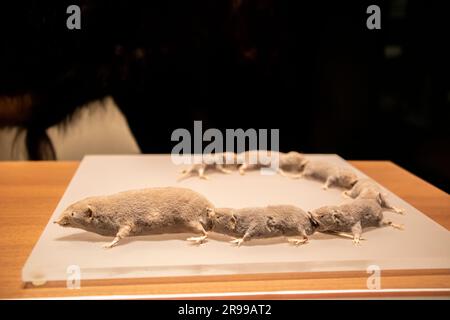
(310, 68)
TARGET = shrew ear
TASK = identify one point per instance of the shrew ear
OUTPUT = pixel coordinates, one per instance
(379, 198)
(233, 221)
(89, 211)
(210, 213)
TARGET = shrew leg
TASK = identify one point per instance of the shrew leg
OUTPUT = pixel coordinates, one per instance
(123, 232)
(247, 236)
(357, 231)
(197, 227)
(186, 173)
(222, 169)
(347, 194)
(386, 205)
(242, 168)
(201, 173)
(386, 222)
(289, 175)
(296, 241)
(330, 180)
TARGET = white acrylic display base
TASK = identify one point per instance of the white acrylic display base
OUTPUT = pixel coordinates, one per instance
(423, 244)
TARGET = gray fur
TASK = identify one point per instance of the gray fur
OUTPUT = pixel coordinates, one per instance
(352, 217)
(288, 163)
(368, 189)
(263, 222)
(141, 212)
(363, 186)
(330, 174)
(222, 162)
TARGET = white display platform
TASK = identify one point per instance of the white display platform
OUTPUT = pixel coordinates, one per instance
(423, 244)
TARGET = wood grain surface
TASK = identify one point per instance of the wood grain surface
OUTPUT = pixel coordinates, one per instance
(30, 191)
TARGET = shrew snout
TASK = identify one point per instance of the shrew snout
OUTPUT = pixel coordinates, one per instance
(63, 221)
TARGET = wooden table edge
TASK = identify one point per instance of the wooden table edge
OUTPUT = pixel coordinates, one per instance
(252, 294)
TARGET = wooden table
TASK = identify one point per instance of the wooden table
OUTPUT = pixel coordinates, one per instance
(30, 191)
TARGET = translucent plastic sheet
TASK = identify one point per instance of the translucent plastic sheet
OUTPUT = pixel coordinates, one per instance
(423, 244)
